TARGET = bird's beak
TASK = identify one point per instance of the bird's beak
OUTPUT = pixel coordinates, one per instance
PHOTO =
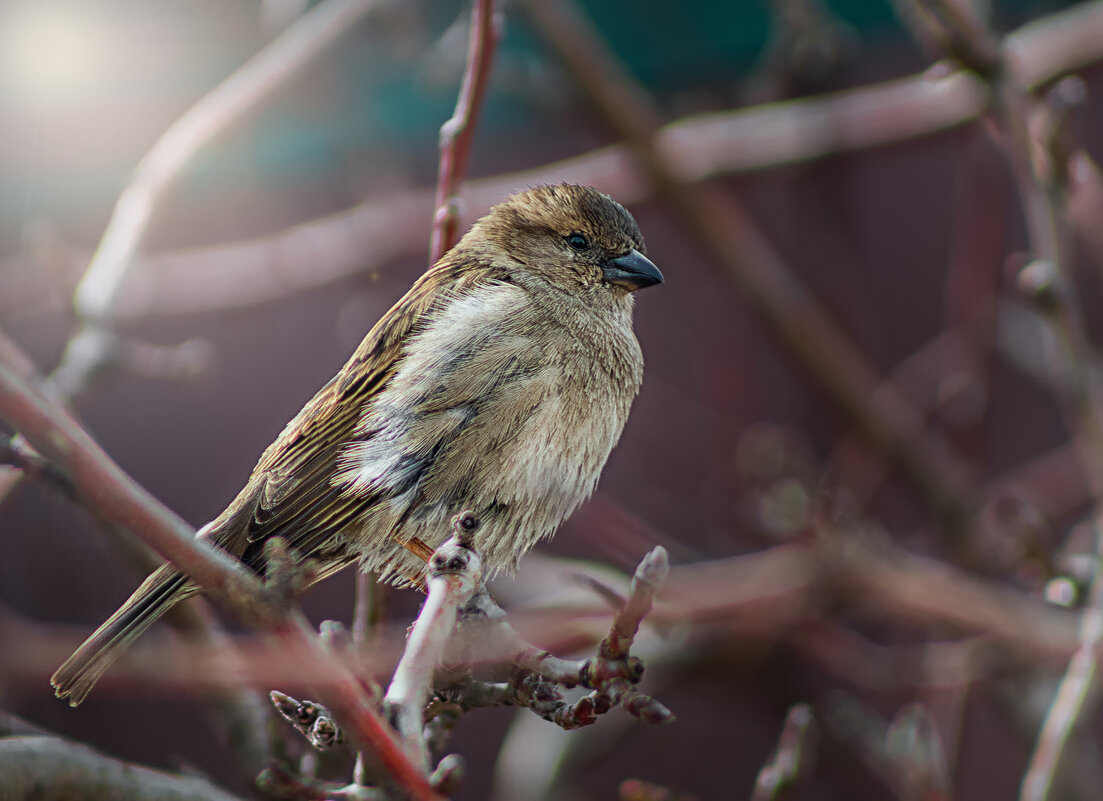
(632, 271)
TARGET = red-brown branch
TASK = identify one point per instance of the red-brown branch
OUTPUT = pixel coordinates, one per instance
(117, 498)
(457, 133)
(342, 692)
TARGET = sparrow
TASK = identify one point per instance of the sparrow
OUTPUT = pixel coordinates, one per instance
(497, 385)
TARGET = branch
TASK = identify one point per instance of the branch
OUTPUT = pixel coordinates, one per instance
(303, 41)
(114, 495)
(94, 347)
(458, 132)
(957, 31)
(828, 356)
(748, 140)
(57, 768)
(611, 674)
(117, 498)
(455, 571)
(342, 693)
(1075, 692)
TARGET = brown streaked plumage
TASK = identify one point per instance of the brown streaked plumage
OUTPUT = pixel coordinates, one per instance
(498, 384)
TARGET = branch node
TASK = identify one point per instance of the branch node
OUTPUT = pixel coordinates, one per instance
(449, 774)
(311, 719)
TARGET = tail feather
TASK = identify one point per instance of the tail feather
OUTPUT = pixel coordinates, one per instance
(165, 587)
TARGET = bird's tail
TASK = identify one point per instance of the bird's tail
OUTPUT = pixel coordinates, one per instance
(160, 592)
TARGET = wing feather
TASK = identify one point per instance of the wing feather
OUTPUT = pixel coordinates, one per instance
(290, 492)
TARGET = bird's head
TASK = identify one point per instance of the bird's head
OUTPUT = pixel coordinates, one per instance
(572, 237)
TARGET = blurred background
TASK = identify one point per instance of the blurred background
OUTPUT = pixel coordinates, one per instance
(881, 192)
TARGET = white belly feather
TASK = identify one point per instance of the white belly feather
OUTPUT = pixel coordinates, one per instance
(477, 417)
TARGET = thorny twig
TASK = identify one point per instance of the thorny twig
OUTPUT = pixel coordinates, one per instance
(458, 132)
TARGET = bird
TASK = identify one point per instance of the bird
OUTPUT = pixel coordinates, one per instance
(496, 386)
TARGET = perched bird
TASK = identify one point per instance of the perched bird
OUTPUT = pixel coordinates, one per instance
(498, 385)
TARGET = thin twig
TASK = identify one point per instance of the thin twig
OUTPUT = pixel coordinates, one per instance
(1073, 692)
(611, 674)
(360, 721)
(458, 132)
(313, 721)
(651, 574)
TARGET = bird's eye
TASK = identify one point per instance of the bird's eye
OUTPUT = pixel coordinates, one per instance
(578, 242)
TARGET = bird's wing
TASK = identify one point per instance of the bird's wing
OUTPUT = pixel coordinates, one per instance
(290, 492)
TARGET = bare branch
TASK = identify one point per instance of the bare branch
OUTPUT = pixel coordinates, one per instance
(1075, 692)
(119, 499)
(375, 233)
(651, 574)
(57, 768)
(827, 354)
(303, 41)
(360, 721)
(458, 132)
(957, 31)
(454, 573)
(115, 496)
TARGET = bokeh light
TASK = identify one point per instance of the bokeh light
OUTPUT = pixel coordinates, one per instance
(51, 52)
